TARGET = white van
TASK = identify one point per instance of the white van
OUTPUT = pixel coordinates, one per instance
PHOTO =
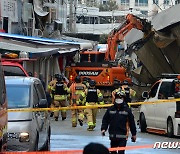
(161, 118)
(29, 130)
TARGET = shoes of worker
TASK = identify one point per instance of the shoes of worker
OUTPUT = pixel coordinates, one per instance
(52, 113)
(80, 122)
(56, 118)
(90, 128)
(74, 125)
(63, 118)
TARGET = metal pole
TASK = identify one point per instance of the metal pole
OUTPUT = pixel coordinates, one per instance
(71, 16)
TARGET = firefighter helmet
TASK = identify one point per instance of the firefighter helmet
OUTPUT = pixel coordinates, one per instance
(92, 83)
(78, 79)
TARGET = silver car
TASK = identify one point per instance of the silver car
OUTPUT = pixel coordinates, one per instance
(30, 130)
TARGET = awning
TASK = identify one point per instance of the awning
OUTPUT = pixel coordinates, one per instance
(34, 51)
(47, 41)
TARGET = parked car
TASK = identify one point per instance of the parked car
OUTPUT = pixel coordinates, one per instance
(30, 130)
(161, 118)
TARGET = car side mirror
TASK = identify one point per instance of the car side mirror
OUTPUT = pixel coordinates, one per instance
(43, 103)
(145, 94)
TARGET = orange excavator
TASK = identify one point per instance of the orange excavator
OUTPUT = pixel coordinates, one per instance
(102, 66)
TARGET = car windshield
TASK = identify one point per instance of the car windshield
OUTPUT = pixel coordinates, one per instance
(18, 96)
(13, 71)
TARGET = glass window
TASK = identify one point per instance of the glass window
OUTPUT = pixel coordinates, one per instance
(166, 2)
(40, 91)
(13, 71)
(167, 89)
(18, 96)
(153, 91)
(141, 2)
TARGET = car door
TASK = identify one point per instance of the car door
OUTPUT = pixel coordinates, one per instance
(162, 109)
(150, 108)
(42, 118)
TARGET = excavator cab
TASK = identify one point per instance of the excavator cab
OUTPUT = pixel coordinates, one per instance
(92, 56)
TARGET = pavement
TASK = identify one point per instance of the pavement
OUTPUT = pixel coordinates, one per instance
(65, 137)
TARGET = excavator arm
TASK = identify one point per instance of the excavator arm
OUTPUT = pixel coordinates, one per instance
(117, 35)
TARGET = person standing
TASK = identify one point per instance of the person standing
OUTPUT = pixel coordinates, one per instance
(118, 119)
(117, 86)
(50, 90)
(130, 93)
(93, 96)
(60, 97)
(76, 89)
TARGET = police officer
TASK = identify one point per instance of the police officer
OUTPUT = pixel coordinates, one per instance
(60, 95)
(93, 96)
(75, 90)
(118, 119)
(128, 91)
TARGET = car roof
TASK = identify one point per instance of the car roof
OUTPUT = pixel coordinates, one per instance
(20, 80)
(167, 80)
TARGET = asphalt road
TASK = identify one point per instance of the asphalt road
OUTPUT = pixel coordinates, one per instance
(64, 137)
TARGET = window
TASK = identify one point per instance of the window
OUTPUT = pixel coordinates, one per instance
(155, 1)
(177, 2)
(153, 91)
(22, 97)
(124, 2)
(40, 91)
(141, 2)
(167, 89)
(166, 2)
(13, 71)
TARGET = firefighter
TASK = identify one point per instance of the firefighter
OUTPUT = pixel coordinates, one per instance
(93, 96)
(51, 91)
(118, 119)
(60, 96)
(75, 90)
(86, 81)
(117, 86)
(128, 91)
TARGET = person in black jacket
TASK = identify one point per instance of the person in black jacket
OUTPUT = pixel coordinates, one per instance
(119, 119)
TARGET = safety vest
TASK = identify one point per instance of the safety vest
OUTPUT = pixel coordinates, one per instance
(92, 95)
(76, 90)
(59, 90)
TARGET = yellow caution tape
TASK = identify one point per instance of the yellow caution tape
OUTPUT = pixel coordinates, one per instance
(89, 106)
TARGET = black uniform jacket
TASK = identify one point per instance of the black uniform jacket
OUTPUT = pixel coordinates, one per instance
(116, 119)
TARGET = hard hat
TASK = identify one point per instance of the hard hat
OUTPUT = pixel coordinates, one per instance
(59, 77)
(78, 79)
(117, 82)
(125, 82)
(92, 83)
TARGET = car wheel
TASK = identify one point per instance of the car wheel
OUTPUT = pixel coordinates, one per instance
(170, 128)
(142, 122)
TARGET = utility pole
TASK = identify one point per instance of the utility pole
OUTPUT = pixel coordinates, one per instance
(71, 16)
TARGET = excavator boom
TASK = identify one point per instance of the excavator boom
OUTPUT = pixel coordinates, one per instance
(117, 35)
